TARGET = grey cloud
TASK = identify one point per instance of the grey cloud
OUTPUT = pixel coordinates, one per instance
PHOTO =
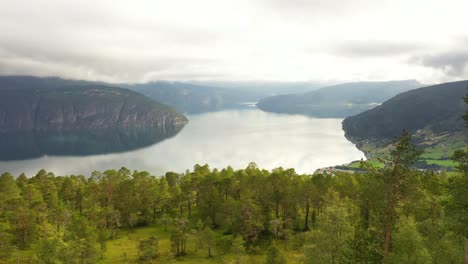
(374, 49)
(25, 60)
(318, 9)
(78, 40)
(453, 63)
(119, 40)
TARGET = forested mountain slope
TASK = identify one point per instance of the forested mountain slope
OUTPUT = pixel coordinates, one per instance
(433, 114)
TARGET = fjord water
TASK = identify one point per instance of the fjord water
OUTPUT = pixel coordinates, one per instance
(227, 138)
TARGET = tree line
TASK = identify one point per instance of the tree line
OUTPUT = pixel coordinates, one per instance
(394, 214)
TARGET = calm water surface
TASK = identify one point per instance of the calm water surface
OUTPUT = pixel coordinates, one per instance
(220, 139)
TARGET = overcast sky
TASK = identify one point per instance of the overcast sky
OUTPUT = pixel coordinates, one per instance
(238, 40)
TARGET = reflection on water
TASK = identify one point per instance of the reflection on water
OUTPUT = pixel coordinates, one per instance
(27, 145)
(220, 139)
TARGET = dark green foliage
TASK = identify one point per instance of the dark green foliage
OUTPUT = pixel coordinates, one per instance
(345, 218)
(148, 249)
(51, 251)
(409, 245)
(274, 256)
(458, 206)
(465, 116)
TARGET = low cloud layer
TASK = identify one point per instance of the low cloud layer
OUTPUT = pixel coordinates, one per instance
(375, 49)
(235, 40)
(453, 63)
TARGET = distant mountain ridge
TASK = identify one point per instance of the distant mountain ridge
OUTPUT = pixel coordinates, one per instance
(55, 104)
(186, 97)
(199, 97)
(192, 98)
(340, 100)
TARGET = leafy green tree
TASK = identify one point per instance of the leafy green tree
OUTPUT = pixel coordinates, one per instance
(102, 236)
(329, 242)
(24, 228)
(274, 256)
(81, 251)
(208, 240)
(364, 247)
(49, 251)
(238, 249)
(172, 178)
(251, 221)
(144, 186)
(458, 204)
(179, 237)
(165, 220)
(408, 245)
(306, 198)
(6, 248)
(209, 199)
(45, 184)
(396, 176)
(8, 189)
(82, 241)
(148, 249)
(276, 227)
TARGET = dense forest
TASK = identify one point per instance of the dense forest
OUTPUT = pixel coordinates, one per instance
(394, 214)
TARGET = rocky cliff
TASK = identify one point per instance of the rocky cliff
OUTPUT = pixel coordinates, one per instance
(80, 108)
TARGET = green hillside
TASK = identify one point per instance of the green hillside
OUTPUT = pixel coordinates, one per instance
(432, 114)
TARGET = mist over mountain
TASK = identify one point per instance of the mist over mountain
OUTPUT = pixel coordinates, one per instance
(198, 97)
(340, 100)
(192, 98)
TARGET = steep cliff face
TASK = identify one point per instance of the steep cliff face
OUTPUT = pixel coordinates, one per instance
(76, 108)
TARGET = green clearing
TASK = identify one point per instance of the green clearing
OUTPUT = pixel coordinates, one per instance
(443, 163)
(124, 249)
(437, 154)
(375, 163)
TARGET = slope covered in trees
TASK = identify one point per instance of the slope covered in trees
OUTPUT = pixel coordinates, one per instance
(391, 215)
(433, 114)
(340, 100)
